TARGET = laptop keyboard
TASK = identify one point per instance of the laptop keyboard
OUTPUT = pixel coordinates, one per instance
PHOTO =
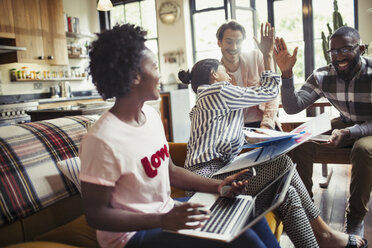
(222, 211)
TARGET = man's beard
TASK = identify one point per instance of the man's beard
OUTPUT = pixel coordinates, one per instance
(351, 67)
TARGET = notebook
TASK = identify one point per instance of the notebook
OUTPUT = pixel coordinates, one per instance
(230, 217)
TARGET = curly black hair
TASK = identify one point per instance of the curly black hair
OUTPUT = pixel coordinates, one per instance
(115, 59)
(199, 74)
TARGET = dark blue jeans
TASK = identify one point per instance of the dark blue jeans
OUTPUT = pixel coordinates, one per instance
(259, 235)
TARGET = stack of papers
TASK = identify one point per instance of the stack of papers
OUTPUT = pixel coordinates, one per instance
(270, 144)
(257, 137)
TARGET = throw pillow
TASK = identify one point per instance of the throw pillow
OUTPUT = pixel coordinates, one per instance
(71, 169)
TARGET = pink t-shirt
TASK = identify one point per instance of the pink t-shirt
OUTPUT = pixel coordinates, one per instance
(133, 160)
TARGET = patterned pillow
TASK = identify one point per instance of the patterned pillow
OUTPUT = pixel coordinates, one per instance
(71, 169)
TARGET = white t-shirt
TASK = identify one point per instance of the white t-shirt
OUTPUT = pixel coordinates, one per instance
(251, 114)
(133, 160)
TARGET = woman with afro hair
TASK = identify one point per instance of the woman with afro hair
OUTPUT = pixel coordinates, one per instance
(126, 169)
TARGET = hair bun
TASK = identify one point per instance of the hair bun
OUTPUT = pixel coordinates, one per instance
(184, 76)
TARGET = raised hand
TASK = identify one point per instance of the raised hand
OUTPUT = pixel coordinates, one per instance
(182, 214)
(284, 59)
(266, 45)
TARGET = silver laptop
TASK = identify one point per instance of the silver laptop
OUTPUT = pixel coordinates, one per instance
(230, 217)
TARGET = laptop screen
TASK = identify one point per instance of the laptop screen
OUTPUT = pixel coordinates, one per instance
(276, 191)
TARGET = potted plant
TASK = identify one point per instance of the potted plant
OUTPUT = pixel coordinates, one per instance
(337, 22)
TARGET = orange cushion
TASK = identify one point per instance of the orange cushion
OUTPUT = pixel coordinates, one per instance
(76, 233)
(40, 244)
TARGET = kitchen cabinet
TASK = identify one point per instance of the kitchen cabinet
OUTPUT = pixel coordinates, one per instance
(6, 19)
(39, 26)
(27, 28)
(54, 37)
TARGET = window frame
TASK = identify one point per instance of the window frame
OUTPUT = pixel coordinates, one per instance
(229, 7)
(307, 16)
(105, 21)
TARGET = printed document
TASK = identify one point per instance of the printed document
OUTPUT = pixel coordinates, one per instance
(275, 147)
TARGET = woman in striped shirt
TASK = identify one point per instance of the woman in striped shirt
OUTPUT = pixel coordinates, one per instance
(216, 138)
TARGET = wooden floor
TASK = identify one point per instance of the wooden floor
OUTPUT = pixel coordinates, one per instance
(332, 201)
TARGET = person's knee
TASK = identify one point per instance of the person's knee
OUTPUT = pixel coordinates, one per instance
(292, 198)
(362, 151)
(304, 153)
(286, 162)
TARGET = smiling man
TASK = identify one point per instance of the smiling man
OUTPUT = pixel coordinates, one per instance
(245, 69)
(347, 84)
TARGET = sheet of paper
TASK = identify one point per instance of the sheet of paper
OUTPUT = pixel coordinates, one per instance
(318, 125)
(257, 137)
(321, 138)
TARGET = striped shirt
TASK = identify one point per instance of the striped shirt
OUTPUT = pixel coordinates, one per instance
(353, 99)
(217, 118)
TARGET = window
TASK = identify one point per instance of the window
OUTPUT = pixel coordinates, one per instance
(141, 13)
(322, 14)
(299, 22)
(289, 25)
(293, 25)
(207, 16)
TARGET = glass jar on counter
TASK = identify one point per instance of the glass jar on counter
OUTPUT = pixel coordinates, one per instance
(13, 74)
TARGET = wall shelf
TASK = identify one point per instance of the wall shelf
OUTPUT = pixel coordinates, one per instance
(78, 56)
(79, 35)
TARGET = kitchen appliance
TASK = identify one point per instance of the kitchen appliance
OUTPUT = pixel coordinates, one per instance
(65, 89)
(54, 91)
(8, 44)
(9, 49)
(15, 113)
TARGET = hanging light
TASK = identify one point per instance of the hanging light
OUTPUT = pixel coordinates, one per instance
(104, 5)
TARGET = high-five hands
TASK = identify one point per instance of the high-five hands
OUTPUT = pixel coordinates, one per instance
(284, 59)
(266, 45)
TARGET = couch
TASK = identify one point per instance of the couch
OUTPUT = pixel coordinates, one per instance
(37, 202)
(40, 206)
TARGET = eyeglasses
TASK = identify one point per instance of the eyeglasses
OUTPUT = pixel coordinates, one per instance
(344, 50)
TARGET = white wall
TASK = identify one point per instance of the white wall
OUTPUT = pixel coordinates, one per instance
(365, 21)
(174, 37)
(87, 13)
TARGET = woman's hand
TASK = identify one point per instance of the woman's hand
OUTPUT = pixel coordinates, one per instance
(234, 185)
(181, 216)
(266, 45)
